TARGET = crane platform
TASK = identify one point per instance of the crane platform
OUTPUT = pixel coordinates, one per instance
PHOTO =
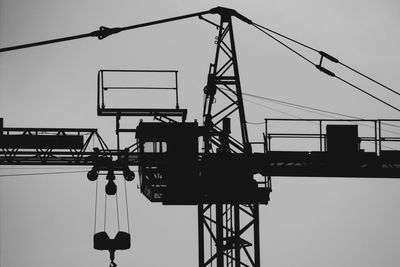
(139, 86)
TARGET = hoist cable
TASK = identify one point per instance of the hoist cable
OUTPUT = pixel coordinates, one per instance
(95, 206)
(323, 54)
(126, 205)
(116, 202)
(105, 210)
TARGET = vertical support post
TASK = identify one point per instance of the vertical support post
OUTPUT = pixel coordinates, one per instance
(220, 235)
(266, 146)
(376, 137)
(117, 127)
(380, 136)
(236, 235)
(256, 227)
(176, 89)
(100, 91)
(200, 211)
(320, 136)
(269, 142)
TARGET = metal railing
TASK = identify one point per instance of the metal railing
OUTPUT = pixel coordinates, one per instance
(103, 86)
(374, 135)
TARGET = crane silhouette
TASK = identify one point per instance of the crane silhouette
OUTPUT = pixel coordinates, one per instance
(184, 163)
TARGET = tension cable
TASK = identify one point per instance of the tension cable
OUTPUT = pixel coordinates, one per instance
(326, 55)
(319, 66)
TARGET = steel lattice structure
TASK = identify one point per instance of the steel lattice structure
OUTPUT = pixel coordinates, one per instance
(207, 166)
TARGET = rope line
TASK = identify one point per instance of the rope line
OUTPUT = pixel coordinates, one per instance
(95, 206)
(105, 210)
(255, 123)
(276, 110)
(300, 106)
(116, 203)
(126, 205)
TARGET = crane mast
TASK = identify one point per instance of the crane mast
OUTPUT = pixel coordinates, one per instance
(221, 222)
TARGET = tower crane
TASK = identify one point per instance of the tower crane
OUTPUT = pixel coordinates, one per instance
(206, 165)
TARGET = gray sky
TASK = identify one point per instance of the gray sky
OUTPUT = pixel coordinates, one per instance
(48, 220)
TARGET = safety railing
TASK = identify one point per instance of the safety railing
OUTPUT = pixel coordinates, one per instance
(311, 134)
(138, 97)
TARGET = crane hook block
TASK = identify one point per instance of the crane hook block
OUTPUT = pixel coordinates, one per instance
(121, 241)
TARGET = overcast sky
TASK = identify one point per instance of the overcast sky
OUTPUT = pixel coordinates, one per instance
(48, 220)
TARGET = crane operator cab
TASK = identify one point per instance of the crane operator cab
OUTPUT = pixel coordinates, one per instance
(174, 172)
(168, 168)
